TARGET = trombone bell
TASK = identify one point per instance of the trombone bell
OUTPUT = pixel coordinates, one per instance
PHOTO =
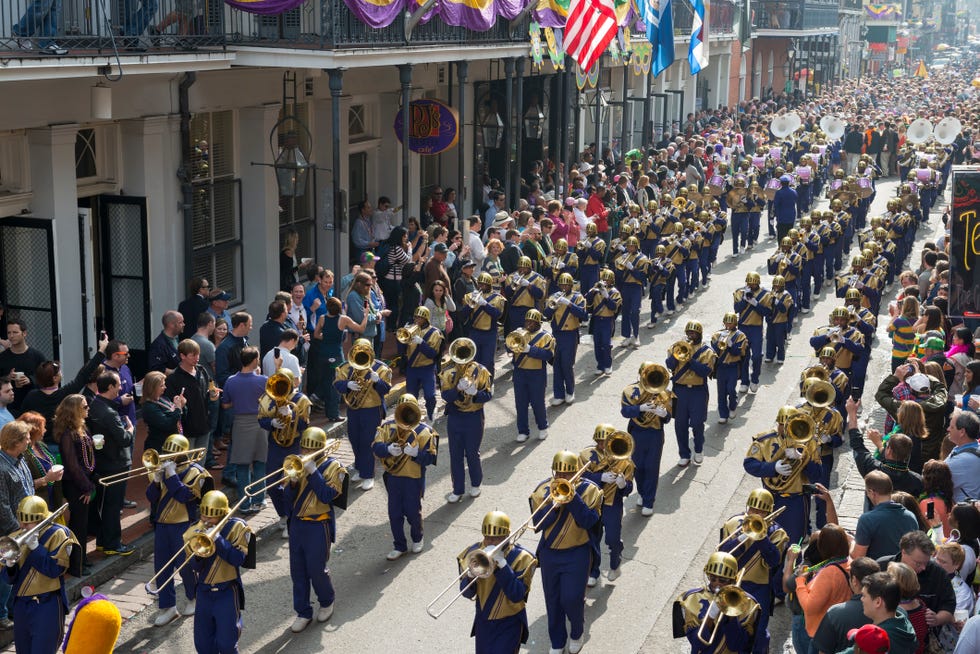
(516, 340)
(619, 446)
(405, 334)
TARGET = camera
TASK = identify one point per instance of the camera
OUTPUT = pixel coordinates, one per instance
(810, 489)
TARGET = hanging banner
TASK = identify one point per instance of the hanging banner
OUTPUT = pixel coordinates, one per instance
(264, 7)
(537, 48)
(964, 251)
(433, 127)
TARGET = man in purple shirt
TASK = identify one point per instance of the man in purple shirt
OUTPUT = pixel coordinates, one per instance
(249, 443)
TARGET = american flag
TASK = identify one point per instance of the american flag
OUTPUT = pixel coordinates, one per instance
(590, 26)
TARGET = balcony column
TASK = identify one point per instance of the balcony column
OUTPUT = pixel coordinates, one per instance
(624, 131)
(647, 134)
(509, 65)
(597, 116)
(405, 79)
(462, 70)
(519, 127)
(556, 150)
(336, 81)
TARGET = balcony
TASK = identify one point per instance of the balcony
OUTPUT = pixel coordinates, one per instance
(83, 28)
(721, 18)
(794, 16)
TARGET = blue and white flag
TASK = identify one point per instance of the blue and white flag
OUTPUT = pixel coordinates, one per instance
(660, 32)
(697, 52)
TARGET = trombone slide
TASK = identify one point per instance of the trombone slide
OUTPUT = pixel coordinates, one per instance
(151, 463)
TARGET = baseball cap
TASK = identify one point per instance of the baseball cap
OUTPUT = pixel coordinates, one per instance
(935, 344)
(467, 263)
(440, 247)
(785, 179)
(220, 295)
(870, 638)
(368, 256)
(918, 382)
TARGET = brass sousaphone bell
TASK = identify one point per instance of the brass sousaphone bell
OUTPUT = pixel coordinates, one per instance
(682, 351)
(516, 340)
(819, 393)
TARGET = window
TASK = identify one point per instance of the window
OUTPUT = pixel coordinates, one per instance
(216, 245)
(296, 214)
(14, 164)
(356, 121)
(95, 159)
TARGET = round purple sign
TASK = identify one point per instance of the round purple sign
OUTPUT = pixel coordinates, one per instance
(433, 127)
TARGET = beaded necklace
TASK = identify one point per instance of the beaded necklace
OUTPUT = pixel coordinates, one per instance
(88, 451)
(45, 454)
(823, 564)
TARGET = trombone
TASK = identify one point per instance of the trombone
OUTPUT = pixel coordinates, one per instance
(480, 562)
(472, 298)
(199, 544)
(10, 547)
(733, 602)
(405, 334)
(682, 351)
(755, 529)
(552, 302)
(516, 340)
(152, 460)
(291, 470)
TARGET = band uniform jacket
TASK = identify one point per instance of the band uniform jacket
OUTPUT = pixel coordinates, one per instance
(640, 271)
(848, 348)
(456, 400)
(485, 317)
(660, 271)
(734, 634)
(633, 396)
(696, 371)
(41, 570)
(848, 280)
(768, 448)
(678, 249)
(233, 548)
(770, 548)
(567, 317)
(838, 378)
(779, 306)
(593, 251)
(830, 426)
(735, 348)
(600, 462)
(542, 351)
(554, 270)
(299, 418)
(423, 436)
(174, 500)
(601, 306)
(504, 593)
(372, 394)
(311, 498)
(426, 352)
(753, 315)
(526, 296)
(567, 525)
(787, 264)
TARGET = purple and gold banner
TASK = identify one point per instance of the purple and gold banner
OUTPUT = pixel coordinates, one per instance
(264, 7)
(377, 13)
(476, 15)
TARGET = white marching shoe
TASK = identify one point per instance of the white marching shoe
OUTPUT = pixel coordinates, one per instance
(575, 646)
(299, 624)
(557, 401)
(593, 582)
(475, 491)
(417, 547)
(165, 617)
(367, 484)
(570, 398)
(698, 458)
(647, 511)
(614, 574)
(522, 438)
(189, 608)
(394, 555)
(453, 498)
(324, 613)
(542, 434)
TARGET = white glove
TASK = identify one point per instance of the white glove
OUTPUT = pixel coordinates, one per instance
(783, 468)
(375, 377)
(647, 407)
(309, 466)
(713, 611)
(285, 411)
(157, 476)
(527, 348)
(752, 301)
(608, 477)
(564, 300)
(33, 543)
(742, 537)
(525, 282)
(660, 411)
(482, 301)
(470, 389)
(629, 265)
(416, 340)
(353, 386)
(277, 423)
(395, 449)
(561, 265)
(860, 285)
(169, 469)
(499, 559)
(605, 292)
(825, 438)
(411, 450)
(470, 574)
(793, 454)
(620, 482)
(462, 385)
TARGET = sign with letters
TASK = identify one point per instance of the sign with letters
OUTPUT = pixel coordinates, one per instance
(433, 127)
(964, 253)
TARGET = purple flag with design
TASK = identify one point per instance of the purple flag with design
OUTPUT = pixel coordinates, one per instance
(264, 7)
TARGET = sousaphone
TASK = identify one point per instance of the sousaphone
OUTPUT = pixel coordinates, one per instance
(920, 131)
(947, 130)
(833, 127)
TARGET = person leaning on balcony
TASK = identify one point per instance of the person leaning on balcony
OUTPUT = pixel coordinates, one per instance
(41, 20)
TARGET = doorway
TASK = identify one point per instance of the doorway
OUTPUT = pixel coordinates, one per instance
(27, 282)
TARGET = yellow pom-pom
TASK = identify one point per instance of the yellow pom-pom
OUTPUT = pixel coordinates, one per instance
(94, 629)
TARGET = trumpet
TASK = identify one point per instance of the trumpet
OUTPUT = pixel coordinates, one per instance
(472, 299)
(152, 460)
(755, 529)
(517, 340)
(682, 351)
(406, 334)
(733, 602)
(553, 301)
(723, 339)
(11, 547)
(200, 544)
(291, 470)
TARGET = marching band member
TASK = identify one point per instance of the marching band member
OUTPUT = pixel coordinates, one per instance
(617, 246)
(731, 346)
(531, 375)
(752, 307)
(842, 386)
(565, 550)
(778, 322)
(364, 391)
(787, 264)
(835, 242)
(737, 199)
(815, 243)
(591, 254)
(818, 400)
(785, 461)
(706, 255)
(220, 594)
(633, 267)
(559, 263)
(421, 351)
(866, 323)
(465, 387)
(523, 290)
(863, 281)
(805, 278)
(696, 612)
(651, 229)
(38, 579)
(678, 249)
(405, 445)
(614, 476)
(604, 302)
(846, 340)
(759, 571)
(500, 621)
(689, 375)
(312, 528)
(756, 203)
(284, 418)
(488, 306)
(691, 268)
(648, 410)
(174, 493)
(661, 270)
(566, 311)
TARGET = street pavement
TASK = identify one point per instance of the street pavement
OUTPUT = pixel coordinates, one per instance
(381, 604)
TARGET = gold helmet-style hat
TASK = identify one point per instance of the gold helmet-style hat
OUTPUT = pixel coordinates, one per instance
(753, 278)
(423, 312)
(607, 276)
(721, 564)
(176, 443)
(535, 315)
(313, 438)
(524, 262)
(496, 523)
(604, 430)
(565, 279)
(32, 509)
(778, 281)
(214, 504)
(761, 499)
(485, 278)
(827, 352)
(561, 246)
(840, 312)
(565, 461)
(694, 326)
(729, 318)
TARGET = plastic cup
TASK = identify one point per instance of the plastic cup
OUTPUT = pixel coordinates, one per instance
(99, 441)
(961, 615)
(138, 388)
